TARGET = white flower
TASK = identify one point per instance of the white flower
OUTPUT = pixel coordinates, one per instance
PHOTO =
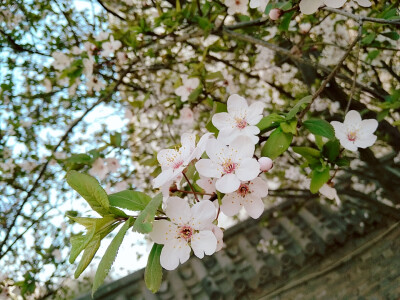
(354, 132)
(188, 228)
(208, 185)
(186, 116)
(311, 6)
(230, 164)
(61, 61)
(95, 84)
(110, 47)
(189, 85)
(99, 169)
(236, 6)
(239, 120)
(330, 193)
(260, 4)
(249, 195)
(219, 234)
(102, 36)
(173, 161)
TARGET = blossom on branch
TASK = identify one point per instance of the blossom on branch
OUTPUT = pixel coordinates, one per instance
(260, 4)
(189, 85)
(249, 195)
(229, 164)
(311, 6)
(189, 227)
(354, 132)
(240, 119)
(237, 6)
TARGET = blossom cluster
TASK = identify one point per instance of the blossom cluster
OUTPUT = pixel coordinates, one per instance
(229, 176)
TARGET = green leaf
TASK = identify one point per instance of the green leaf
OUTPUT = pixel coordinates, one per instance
(331, 150)
(369, 38)
(153, 273)
(89, 188)
(78, 243)
(145, 219)
(284, 25)
(343, 162)
(88, 255)
(289, 126)
(320, 127)
(109, 256)
(218, 108)
(310, 154)
(318, 179)
(80, 158)
(195, 94)
(132, 200)
(277, 143)
(393, 35)
(115, 139)
(270, 121)
(297, 107)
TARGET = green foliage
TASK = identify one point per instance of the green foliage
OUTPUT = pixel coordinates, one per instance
(269, 122)
(132, 200)
(310, 154)
(89, 188)
(145, 219)
(295, 109)
(277, 143)
(320, 127)
(90, 250)
(217, 108)
(109, 256)
(331, 150)
(319, 176)
(153, 273)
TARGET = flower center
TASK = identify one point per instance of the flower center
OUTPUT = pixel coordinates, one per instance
(241, 123)
(237, 2)
(352, 136)
(243, 190)
(186, 232)
(229, 166)
(189, 89)
(178, 164)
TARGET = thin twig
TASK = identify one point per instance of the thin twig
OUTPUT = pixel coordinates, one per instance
(353, 86)
(191, 187)
(361, 18)
(110, 11)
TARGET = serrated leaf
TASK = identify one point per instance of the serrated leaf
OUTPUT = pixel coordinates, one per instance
(318, 179)
(153, 273)
(295, 109)
(132, 200)
(271, 121)
(289, 126)
(88, 255)
(145, 219)
(109, 256)
(78, 244)
(89, 188)
(277, 143)
(320, 127)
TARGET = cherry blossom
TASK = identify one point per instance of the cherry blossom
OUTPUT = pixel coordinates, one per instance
(237, 6)
(189, 227)
(239, 120)
(61, 61)
(174, 161)
(208, 185)
(99, 169)
(186, 116)
(265, 164)
(260, 4)
(311, 6)
(249, 195)
(274, 14)
(330, 193)
(110, 47)
(229, 164)
(189, 85)
(354, 132)
(112, 164)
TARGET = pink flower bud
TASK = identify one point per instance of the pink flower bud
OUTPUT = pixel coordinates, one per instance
(274, 14)
(265, 164)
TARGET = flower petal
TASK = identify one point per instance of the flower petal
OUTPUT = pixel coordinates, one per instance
(207, 168)
(174, 252)
(259, 187)
(334, 3)
(254, 114)
(163, 231)
(368, 127)
(364, 3)
(236, 103)
(222, 120)
(352, 118)
(227, 183)
(163, 177)
(367, 141)
(178, 210)
(340, 130)
(349, 145)
(244, 147)
(231, 204)
(203, 214)
(188, 140)
(309, 7)
(248, 169)
(167, 157)
(254, 206)
(204, 242)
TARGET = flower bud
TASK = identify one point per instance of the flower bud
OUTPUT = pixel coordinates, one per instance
(275, 13)
(265, 164)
